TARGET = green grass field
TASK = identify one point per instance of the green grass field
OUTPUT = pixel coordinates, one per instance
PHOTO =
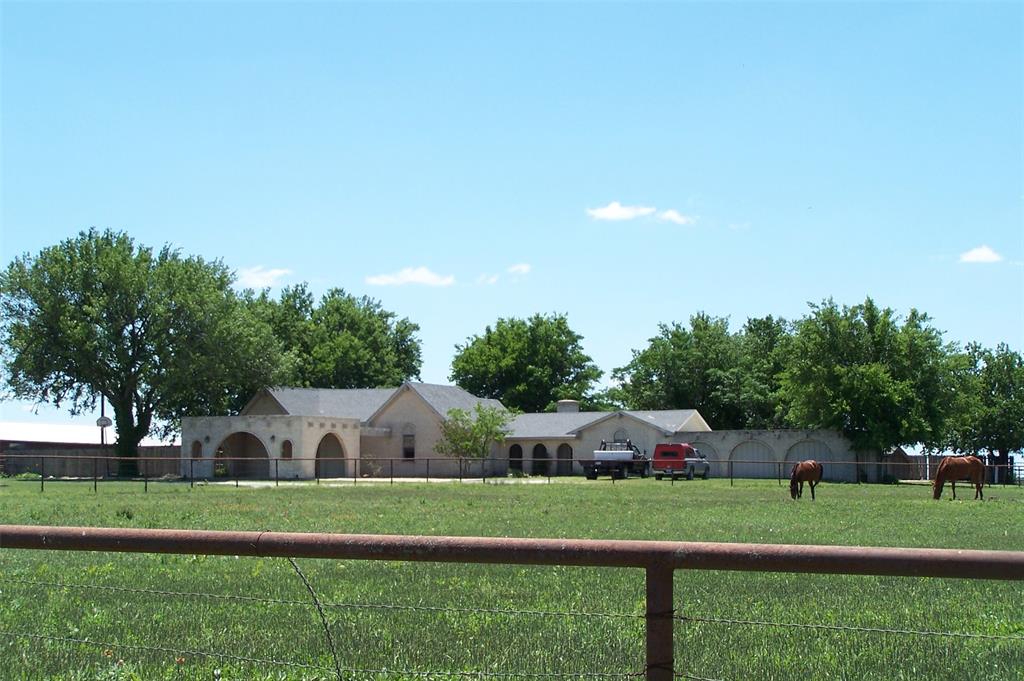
(96, 616)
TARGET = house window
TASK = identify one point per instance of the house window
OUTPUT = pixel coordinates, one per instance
(197, 450)
(408, 446)
(286, 449)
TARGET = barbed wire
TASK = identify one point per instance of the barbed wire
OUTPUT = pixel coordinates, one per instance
(840, 627)
(307, 604)
(323, 617)
(180, 652)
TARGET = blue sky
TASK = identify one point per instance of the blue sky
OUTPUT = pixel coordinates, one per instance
(623, 164)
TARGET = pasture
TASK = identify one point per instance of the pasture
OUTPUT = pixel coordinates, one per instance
(77, 616)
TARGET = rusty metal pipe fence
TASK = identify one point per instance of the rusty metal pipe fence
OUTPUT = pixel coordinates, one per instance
(658, 559)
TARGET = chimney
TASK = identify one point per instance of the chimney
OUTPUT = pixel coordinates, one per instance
(568, 407)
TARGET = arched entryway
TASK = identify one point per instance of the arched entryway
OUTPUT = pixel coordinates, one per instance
(242, 455)
(820, 452)
(564, 456)
(330, 457)
(753, 459)
(515, 458)
(540, 460)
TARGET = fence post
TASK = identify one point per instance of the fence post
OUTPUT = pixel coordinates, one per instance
(276, 476)
(145, 476)
(42, 472)
(191, 474)
(94, 474)
(660, 618)
(353, 471)
(428, 470)
(730, 473)
(780, 473)
(391, 466)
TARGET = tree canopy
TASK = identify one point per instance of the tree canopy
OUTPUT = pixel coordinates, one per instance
(528, 364)
(856, 369)
(989, 402)
(686, 368)
(344, 342)
(158, 334)
(469, 435)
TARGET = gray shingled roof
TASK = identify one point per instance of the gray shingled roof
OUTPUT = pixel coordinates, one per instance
(359, 403)
(362, 403)
(444, 398)
(567, 424)
(669, 420)
(555, 424)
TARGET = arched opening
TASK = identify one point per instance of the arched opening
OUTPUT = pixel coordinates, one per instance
(753, 459)
(197, 449)
(564, 460)
(515, 458)
(243, 456)
(330, 457)
(286, 449)
(820, 452)
(540, 460)
(621, 435)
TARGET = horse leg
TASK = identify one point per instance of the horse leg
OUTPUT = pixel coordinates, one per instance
(812, 484)
(952, 484)
(800, 494)
(978, 491)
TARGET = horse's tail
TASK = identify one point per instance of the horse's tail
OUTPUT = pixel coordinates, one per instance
(978, 476)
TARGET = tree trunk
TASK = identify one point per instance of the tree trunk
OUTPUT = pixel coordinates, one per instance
(128, 440)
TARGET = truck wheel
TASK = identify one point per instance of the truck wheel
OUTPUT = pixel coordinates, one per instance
(689, 473)
(591, 476)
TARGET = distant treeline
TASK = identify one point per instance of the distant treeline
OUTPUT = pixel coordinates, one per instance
(162, 335)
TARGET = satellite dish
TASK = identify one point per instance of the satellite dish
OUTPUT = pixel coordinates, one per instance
(104, 422)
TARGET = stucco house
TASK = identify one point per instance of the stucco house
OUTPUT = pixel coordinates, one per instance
(305, 433)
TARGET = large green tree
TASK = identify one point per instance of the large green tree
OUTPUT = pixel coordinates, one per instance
(858, 370)
(342, 342)
(470, 434)
(989, 408)
(752, 385)
(159, 335)
(686, 368)
(528, 364)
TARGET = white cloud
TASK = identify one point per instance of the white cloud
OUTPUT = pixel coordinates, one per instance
(980, 254)
(672, 215)
(411, 275)
(616, 211)
(259, 277)
(488, 279)
(521, 268)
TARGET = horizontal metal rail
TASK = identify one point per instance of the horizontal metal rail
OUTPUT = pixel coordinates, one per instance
(852, 560)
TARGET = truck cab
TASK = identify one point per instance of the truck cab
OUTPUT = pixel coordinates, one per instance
(679, 460)
(619, 459)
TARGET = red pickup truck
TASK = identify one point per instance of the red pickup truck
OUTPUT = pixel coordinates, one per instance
(678, 460)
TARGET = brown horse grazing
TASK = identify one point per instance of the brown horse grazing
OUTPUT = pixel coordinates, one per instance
(955, 468)
(806, 471)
